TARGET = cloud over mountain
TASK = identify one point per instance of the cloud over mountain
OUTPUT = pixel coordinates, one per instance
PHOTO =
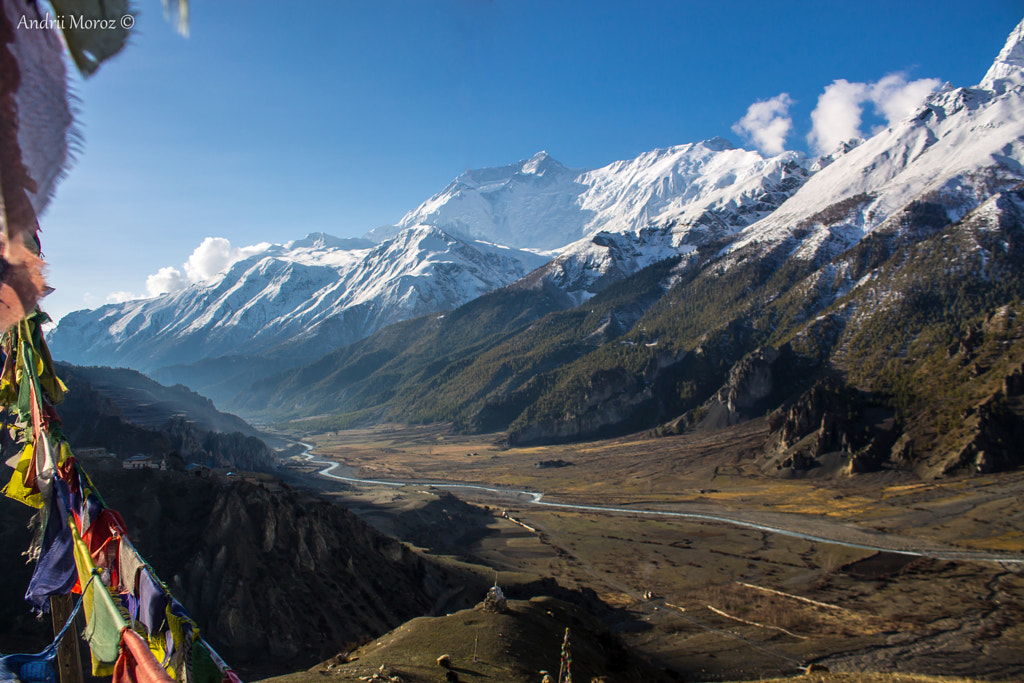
(213, 256)
(767, 124)
(837, 118)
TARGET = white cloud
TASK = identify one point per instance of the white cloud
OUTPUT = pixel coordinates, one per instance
(212, 257)
(837, 117)
(120, 297)
(215, 255)
(894, 97)
(767, 124)
(241, 253)
(167, 279)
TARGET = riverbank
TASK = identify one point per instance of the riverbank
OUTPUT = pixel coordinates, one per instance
(821, 527)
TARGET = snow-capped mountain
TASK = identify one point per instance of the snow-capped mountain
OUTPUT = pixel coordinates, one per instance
(1007, 71)
(957, 149)
(313, 295)
(584, 268)
(612, 221)
(304, 298)
(961, 147)
(697, 190)
(532, 204)
(887, 284)
(718, 191)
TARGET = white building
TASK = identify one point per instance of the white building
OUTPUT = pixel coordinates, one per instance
(139, 462)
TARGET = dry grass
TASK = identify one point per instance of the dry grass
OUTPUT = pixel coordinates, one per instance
(800, 618)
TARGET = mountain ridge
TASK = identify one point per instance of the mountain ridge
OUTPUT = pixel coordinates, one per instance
(693, 267)
(291, 303)
(805, 279)
(684, 185)
(301, 299)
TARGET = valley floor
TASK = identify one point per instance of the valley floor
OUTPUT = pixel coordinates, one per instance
(710, 600)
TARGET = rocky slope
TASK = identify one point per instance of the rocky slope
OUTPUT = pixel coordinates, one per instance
(129, 414)
(276, 580)
(148, 403)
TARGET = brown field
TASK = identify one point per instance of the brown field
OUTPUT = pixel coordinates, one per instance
(716, 601)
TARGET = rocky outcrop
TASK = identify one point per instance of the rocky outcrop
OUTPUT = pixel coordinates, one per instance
(815, 420)
(963, 349)
(1013, 383)
(611, 401)
(995, 437)
(749, 389)
(750, 382)
(828, 419)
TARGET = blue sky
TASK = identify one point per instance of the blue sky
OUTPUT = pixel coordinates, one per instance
(272, 120)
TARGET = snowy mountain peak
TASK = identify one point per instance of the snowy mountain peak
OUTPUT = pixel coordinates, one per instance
(321, 240)
(1008, 69)
(842, 148)
(415, 239)
(538, 203)
(717, 144)
(945, 158)
(541, 163)
(683, 153)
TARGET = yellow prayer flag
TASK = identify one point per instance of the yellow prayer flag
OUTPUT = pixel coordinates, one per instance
(103, 623)
(16, 488)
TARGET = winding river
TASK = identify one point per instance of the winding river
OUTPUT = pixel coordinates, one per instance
(537, 498)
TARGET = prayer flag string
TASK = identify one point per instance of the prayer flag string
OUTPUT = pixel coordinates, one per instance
(565, 669)
(136, 630)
